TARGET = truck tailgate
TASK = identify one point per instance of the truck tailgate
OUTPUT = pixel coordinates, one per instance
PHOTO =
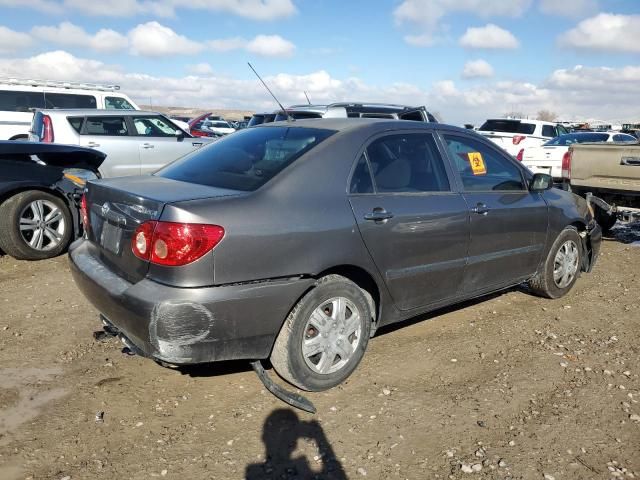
(607, 166)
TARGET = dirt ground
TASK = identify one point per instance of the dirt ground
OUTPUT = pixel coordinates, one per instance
(512, 386)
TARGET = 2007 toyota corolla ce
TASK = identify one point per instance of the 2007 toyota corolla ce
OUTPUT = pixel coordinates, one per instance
(295, 241)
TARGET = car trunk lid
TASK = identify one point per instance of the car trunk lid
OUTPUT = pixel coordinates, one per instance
(117, 207)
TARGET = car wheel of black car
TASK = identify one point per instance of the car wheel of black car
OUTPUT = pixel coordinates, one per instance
(34, 225)
(325, 335)
(605, 219)
(562, 266)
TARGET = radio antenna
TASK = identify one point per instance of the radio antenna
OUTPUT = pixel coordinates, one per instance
(289, 118)
(305, 94)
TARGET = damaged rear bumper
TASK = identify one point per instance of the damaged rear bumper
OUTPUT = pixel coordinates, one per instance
(591, 240)
(187, 325)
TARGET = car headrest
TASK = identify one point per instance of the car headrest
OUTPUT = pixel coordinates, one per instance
(395, 175)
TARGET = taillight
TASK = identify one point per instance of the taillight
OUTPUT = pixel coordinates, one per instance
(84, 213)
(174, 244)
(566, 165)
(517, 139)
(47, 129)
(520, 155)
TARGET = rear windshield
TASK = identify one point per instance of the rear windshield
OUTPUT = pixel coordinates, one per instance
(571, 138)
(508, 126)
(247, 159)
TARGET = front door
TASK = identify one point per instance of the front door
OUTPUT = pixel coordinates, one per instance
(414, 226)
(508, 223)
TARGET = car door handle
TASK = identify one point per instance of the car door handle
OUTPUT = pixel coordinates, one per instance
(480, 209)
(147, 145)
(630, 161)
(197, 144)
(93, 144)
(378, 215)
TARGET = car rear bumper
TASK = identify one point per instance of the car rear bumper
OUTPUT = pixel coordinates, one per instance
(591, 245)
(187, 325)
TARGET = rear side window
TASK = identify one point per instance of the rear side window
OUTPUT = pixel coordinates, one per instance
(76, 123)
(117, 103)
(549, 131)
(12, 101)
(407, 163)
(481, 168)
(621, 137)
(509, 126)
(69, 100)
(361, 178)
(111, 126)
(247, 159)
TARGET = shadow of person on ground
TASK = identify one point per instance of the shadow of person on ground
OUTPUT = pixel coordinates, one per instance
(280, 435)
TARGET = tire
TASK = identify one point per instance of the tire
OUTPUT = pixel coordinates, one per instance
(316, 372)
(25, 232)
(605, 220)
(546, 283)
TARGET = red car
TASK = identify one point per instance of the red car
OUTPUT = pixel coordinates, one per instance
(196, 124)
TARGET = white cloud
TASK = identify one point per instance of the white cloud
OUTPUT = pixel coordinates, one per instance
(200, 69)
(490, 37)
(71, 35)
(426, 15)
(569, 8)
(605, 32)
(154, 40)
(572, 93)
(11, 41)
(227, 44)
(45, 6)
(252, 9)
(477, 69)
(271, 46)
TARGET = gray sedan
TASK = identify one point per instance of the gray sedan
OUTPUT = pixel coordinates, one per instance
(296, 241)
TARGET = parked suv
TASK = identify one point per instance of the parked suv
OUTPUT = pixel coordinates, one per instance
(19, 98)
(514, 134)
(358, 110)
(136, 142)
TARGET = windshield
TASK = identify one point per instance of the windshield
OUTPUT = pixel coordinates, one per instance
(247, 159)
(508, 126)
(571, 138)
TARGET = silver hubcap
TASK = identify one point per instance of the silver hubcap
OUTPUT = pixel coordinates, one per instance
(331, 335)
(565, 265)
(42, 225)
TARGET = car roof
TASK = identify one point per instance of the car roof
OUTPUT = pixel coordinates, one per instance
(342, 124)
(95, 112)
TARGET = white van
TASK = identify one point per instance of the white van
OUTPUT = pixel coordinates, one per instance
(19, 98)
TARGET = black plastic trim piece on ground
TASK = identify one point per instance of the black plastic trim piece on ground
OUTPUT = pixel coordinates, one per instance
(293, 399)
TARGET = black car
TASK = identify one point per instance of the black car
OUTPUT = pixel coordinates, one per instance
(40, 187)
(295, 241)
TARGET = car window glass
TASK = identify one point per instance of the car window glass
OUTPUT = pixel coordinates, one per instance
(407, 163)
(69, 100)
(113, 126)
(117, 103)
(415, 115)
(548, 131)
(12, 101)
(508, 126)
(361, 179)
(481, 167)
(154, 127)
(76, 123)
(621, 137)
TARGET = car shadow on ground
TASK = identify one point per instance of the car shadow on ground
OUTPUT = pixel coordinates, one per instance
(281, 431)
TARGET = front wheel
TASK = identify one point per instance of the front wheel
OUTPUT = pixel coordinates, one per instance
(325, 336)
(561, 268)
(34, 225)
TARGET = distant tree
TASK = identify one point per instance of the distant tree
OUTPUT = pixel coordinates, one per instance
(547, 116)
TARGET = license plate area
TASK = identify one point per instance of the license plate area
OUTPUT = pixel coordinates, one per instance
(111, 237)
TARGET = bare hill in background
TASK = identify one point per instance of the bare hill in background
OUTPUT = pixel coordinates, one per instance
(194, 112)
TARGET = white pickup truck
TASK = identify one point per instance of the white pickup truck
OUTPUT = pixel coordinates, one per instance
(608, 175)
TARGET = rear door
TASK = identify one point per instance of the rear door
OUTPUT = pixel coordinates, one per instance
(508, 224)
(414, 226)
(111, 135)
(160, 142)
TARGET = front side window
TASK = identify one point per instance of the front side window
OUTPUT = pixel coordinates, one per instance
(481, 168)
(247, 159)
(117, 103)
(111, 126)
(548, 131)
(154, 126)
(407, 163)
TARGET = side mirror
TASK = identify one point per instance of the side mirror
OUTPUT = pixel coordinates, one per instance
(541, 182)
(180, 134)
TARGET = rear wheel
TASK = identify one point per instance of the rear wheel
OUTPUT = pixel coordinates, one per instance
(325, 335)
(34, 225)
(561, 268)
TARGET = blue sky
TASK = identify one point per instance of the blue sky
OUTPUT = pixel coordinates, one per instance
(466, 59)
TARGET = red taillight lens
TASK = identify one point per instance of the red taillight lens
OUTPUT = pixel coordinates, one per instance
(520, 155)
(566, 165)
(174, 244)
(517, 139)
(84, 213)
(47, 129)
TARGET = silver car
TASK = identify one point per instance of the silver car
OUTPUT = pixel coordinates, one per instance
(136, 142)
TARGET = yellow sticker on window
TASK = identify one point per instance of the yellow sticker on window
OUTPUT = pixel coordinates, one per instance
(477, 163)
